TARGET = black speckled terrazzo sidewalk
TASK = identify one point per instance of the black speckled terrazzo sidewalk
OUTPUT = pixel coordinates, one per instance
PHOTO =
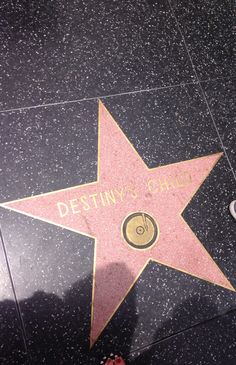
(117, 167)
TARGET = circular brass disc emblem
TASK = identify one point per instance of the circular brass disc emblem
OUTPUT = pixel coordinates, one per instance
(140, 230)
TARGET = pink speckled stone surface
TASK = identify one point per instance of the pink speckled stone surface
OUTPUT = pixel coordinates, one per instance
(126, 185)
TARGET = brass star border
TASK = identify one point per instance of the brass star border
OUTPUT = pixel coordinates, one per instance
(16, 206)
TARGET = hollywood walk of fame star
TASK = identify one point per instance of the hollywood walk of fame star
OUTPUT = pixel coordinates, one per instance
(127, 191)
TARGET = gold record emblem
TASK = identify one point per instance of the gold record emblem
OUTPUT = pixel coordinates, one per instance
(140, 230)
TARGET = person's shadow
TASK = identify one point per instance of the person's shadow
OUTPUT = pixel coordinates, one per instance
(58, 328)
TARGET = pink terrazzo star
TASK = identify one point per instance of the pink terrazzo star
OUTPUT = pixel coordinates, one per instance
(125, 185)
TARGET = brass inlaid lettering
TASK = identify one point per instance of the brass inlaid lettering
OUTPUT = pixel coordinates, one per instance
(166, 183)
(118, 195)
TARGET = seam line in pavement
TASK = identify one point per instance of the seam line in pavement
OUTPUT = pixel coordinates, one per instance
(15, 297)
(111, 95)
(203, 93)
(166, 338)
